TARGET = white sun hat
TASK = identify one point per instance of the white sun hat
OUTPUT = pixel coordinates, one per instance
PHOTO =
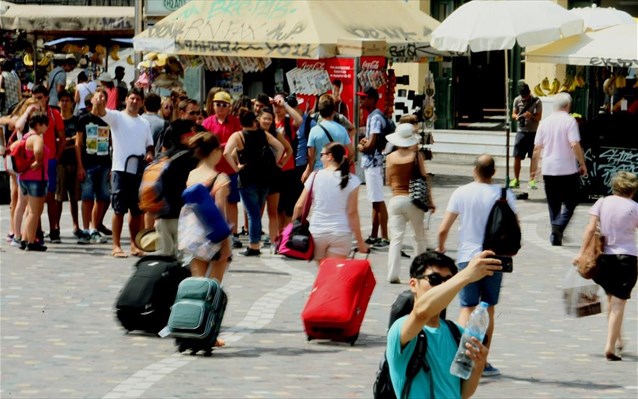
(403, 136)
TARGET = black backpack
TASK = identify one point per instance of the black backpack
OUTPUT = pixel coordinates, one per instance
(382, 388)
(388, 128)
(502, 231)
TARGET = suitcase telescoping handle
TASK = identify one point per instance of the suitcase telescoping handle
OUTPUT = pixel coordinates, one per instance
(356, 250)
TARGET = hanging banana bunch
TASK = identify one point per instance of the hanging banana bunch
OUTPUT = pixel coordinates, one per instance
(114, 51)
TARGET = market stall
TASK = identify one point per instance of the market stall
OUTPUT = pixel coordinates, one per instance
(609, 139)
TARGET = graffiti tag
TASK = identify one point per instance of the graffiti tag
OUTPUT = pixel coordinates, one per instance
(395, 33)
(615, 62)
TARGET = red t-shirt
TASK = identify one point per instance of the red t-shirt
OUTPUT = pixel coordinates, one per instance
(223, 131)
(55, 124)
(293, 130)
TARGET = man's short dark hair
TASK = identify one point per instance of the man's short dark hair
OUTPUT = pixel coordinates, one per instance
(484, 165)
(263, 98)
(38, 118)
(40, 89)
(326, 105)
(523, 90)
(65, 93)
(431, 258)
(152, 102)
(137, 91)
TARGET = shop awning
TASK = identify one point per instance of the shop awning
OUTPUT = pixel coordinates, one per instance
(301, 29)
(54, 19)
(616, 46)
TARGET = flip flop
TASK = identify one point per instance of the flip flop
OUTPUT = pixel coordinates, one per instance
(119, 254)
(219, 343)
(139, 254)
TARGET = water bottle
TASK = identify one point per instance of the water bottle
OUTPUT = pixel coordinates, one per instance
(476, 327)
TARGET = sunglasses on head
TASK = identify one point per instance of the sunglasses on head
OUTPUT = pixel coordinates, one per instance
(434, 278)
(222, 105)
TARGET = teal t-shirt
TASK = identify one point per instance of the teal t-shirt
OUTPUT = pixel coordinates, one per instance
(440, 354)
(318, 138)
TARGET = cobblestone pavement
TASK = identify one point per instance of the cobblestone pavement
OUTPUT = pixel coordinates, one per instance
(59, 337)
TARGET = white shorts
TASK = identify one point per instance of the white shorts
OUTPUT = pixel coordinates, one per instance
(374, 183)
(332, 245)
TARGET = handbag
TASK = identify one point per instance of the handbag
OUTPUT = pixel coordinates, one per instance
(588, 263)
(296, 241)
(418, 189)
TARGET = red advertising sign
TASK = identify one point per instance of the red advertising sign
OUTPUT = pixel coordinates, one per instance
(372, 72)
(340, 70)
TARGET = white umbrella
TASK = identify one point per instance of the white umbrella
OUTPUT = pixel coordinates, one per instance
(487, 25)
(616, 46)
(600, 18)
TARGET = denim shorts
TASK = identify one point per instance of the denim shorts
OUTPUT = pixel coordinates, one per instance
(486, 289)
(233, 195)
(124, 193)
(96, 184)
(33, 188)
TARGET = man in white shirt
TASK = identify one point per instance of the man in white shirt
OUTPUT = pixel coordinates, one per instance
(132, 148)
(472, 204)
(558, 139)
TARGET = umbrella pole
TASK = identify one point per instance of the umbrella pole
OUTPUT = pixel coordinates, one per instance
(507, 124)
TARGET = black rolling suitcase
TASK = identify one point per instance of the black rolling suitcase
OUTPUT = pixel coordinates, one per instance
(145, 302)
(196, 316)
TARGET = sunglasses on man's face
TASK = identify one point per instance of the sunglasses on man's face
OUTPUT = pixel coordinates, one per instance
(434, 278)
(222, 105)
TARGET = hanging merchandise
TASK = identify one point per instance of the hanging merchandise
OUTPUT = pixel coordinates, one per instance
(160, 70)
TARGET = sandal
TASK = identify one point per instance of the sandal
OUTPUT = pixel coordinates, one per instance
(119, 254)
(612, 357)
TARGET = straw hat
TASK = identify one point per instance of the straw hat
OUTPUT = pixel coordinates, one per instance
(147, 239)
(403, 136)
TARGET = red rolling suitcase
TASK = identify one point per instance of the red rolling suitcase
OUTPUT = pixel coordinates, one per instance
(338, 300)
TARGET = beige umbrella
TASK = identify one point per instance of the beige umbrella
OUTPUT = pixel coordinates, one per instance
(300, 29)
(597, 18)
(616, 46)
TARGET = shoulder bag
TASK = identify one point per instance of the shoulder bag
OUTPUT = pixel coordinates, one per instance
(588, 263)
(419, 191)
(296, 241)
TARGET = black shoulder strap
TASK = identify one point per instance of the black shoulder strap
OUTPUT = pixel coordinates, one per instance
(416, 363)
(503, 193)
(454, 329)
(327, 133)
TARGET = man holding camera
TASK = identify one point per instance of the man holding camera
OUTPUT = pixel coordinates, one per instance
(472, 204)
(527, 111)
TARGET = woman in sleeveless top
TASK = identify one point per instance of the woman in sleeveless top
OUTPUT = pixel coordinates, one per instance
(18, 204)
(400, 166)
(334, 215)
(33, 183)
(618, 218)
(209, 152)
(251, 146)
(266, 117)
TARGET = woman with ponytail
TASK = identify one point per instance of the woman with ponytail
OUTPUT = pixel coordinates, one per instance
(334, 214)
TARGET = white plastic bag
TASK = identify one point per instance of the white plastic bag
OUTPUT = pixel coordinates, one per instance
(581, 297)
(191, 236)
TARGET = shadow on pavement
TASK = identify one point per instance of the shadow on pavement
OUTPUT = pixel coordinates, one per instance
(229, 352)
(257, 271)
(567, 384)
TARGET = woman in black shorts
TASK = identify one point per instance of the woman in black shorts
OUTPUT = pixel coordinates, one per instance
(618, 216)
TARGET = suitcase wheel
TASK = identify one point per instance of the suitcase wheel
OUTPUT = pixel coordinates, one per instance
(208, 353)
(181, 348)
(309, 338)
(353, 340)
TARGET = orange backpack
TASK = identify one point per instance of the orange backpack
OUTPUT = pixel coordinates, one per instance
(151, 193)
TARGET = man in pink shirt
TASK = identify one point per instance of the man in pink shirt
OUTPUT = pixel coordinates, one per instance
(558, 139)
(224, 125)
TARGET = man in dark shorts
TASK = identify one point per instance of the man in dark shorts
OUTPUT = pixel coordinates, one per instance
(528, 111)
(132, 147)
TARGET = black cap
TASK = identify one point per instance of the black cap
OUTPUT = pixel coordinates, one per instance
(369, 91)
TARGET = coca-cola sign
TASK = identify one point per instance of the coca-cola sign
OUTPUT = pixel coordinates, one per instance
(371, 64)
(313, 65)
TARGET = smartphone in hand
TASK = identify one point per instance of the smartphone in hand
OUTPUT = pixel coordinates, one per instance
(506, 262)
